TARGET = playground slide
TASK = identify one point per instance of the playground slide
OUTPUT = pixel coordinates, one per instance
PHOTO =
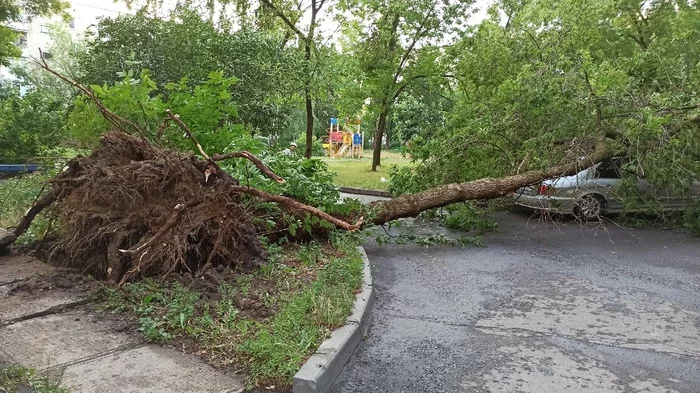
(342, 150)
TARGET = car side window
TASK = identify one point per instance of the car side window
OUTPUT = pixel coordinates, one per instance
(608, 170)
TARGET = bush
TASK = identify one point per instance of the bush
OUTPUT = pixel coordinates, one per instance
(317, 149)
(16, 196)
(691, 219)
(29, 125)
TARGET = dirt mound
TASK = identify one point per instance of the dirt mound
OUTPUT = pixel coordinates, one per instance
(132, 209)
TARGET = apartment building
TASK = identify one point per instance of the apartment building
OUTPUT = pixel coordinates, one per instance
(35, 33)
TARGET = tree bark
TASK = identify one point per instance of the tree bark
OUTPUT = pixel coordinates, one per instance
(387, 131)
(381, 126)
(487, 188)
(307, 92)
(309, 123)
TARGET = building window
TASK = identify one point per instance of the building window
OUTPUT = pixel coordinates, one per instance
(46, 55)
(45, 29)
(71, 23)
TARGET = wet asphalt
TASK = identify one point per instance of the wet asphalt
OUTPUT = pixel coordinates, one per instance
(544, 308)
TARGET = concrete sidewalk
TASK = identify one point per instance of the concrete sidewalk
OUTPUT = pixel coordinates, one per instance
(46, 329)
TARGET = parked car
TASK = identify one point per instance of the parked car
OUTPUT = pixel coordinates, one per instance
(594, 192)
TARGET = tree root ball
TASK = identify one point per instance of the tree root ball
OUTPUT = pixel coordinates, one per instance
(132, 209)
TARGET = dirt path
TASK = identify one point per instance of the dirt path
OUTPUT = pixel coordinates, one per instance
(44, 324)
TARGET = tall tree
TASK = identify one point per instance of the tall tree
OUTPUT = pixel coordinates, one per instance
(396, 44)
(546, 80)
(306, 35)
(186, 46)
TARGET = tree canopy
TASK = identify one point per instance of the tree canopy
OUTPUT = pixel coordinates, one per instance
(535, 84)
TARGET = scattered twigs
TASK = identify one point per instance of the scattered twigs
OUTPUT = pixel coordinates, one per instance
(110, 116)
(291, 203)
(219, 157)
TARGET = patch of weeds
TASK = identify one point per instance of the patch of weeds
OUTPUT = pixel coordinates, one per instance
(278, 349)
(269, 321)
(162, 310)
(15, 379)
(691, 219)
(310, 254)
(17, 195)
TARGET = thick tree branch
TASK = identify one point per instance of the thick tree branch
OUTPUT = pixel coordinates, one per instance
(488, 188)
(284, 18)
(291, 203)
(252, 158)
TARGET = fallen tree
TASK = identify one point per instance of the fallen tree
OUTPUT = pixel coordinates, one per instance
(134, 208)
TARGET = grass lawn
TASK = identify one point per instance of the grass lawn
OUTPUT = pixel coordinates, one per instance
(269, 321)
(351, 172)
(17, 194)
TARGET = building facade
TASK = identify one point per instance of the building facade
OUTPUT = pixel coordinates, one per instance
(35, 34)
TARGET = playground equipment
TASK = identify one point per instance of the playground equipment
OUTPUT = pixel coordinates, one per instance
(340, 143)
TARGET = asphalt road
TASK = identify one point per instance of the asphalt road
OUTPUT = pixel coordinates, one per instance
(544, 308)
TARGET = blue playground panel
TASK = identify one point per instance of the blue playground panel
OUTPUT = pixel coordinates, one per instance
(18, 168)
(334, 121)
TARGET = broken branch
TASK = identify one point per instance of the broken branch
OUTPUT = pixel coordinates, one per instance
(289, 202)
(108, 115)
(255, 160)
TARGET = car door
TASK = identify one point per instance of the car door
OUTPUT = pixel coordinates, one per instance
(606, 182)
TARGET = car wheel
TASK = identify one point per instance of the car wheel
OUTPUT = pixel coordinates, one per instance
(590, 207)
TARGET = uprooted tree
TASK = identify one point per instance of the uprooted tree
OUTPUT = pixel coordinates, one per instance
(135, 208)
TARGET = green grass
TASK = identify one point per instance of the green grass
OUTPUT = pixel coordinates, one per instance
(14, 379)
(308, 290)
(351, 172)
(17, 194)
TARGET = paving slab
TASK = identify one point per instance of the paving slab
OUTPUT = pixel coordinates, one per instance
(55, 340)
(21, 304)
(147, 369)
(16, 268)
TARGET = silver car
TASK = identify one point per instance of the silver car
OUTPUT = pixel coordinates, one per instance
(594, 192)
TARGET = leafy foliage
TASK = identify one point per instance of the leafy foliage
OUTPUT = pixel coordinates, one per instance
(186, 49)
(563, 78)
(29, 125)
(207, 108)
(14, 11)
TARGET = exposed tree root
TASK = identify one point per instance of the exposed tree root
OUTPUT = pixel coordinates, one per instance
(132, 209)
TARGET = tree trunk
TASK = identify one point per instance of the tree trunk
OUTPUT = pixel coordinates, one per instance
(488, 188)
(309, 124)
(307, 98)
(381, 126)
(388, 131)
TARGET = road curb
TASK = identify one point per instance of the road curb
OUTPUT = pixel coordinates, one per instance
(364, 191)
(323, 367)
